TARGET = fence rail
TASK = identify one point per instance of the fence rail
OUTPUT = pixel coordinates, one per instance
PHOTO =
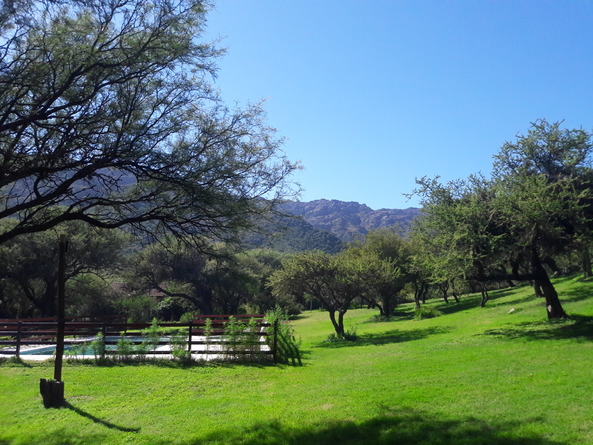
(209, 335)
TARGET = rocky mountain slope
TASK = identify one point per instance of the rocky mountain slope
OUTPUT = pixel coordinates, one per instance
(350, 220)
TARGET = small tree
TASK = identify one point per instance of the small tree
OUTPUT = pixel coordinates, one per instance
(333, 279)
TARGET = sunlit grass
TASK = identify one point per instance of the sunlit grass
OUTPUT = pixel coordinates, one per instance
(471, 375)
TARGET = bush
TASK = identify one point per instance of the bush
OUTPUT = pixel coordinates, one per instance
(424, 312)
(98, 346)
(287, 345)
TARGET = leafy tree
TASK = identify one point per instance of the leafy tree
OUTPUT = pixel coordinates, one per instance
(335, 280)
(260, 264)
(106, 107)
(458, 236)
(211, 280)
(387, 258)
(28, 270)
(536, 207)
(544, 196)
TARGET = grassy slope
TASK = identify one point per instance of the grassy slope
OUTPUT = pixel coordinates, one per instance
(472, 375)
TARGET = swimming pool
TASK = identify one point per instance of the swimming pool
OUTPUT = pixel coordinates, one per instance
(85, 347)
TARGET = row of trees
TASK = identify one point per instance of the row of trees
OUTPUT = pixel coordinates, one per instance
(534, 210)
(532, 217)
(111, 133)
(534, 213)
(109, 272)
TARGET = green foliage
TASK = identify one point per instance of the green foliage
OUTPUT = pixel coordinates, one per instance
(131, 131)
(208, 278)
(424, 312)
(78, 349)
(137, 308)
(235, 339)
(186, 317)
(288, 346)
(98, 346)
(536, 207)
(335, 280)
(28, 269)
(179, 347)
(152, 335)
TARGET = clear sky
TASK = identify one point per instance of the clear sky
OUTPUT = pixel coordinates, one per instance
(371, 94)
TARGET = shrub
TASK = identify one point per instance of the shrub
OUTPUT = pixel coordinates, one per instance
(424, 312)
(287, 344)
(98, 346)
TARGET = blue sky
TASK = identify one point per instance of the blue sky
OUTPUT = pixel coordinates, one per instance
(371, 94)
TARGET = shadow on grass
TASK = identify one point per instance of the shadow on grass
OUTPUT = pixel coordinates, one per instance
(114, 362)
(576, 293)
(405, 426)
(578, 327)
(100, 421)
(453, 307)
(384, 338)
(398, 315)
(14, 361)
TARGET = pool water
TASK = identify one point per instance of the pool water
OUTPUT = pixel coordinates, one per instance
(84, 348)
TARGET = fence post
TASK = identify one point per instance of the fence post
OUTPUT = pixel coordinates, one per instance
(276, 340)
(18, 339)
(189, 338)
(104, 332)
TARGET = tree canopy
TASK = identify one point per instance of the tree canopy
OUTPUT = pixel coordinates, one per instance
(107, 109)
(536, 206)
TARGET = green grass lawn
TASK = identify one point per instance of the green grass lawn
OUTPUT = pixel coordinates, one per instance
(472, 375)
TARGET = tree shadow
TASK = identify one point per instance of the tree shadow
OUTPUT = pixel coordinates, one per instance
(464, 304)
(578, 327)
(516, 301)
(383, 338)
(398, 315)
(95, 419)
(403, 426)
(576, 294)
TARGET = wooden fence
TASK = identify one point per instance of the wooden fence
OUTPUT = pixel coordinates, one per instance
(206, 335)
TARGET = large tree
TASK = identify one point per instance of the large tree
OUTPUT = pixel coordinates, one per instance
(29, 276)
(107, 108)
(544, 197)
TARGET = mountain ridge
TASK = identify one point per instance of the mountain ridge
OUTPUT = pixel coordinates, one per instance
(350, 220)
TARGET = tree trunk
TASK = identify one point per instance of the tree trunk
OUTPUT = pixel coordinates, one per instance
(341, 323)
(542, 280)
(381, 310)
(586, 263)
(455, 297)
(424, 293)
(338, 326)
(387, 306)
(485, 296)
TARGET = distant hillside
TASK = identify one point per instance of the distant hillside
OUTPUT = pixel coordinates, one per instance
(350, 220)
(293, 234)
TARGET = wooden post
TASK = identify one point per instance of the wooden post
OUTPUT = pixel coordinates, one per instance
(18, 338)
(104, 332)
(52, 391)
(189, 339)
(61, 308)
(276, 340)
